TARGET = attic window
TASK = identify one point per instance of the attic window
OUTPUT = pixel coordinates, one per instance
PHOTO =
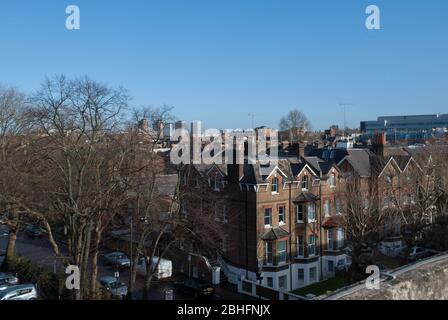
(332, 180)
(305, 183)
(274, 186)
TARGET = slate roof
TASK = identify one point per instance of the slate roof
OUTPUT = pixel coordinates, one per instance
(306, 197)
(274, 234)
(360, 160)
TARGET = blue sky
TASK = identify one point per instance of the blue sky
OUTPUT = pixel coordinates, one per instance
(219, 60)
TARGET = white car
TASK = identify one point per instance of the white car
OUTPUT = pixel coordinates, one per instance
(164, 268)
(7, 280)
(19, 292)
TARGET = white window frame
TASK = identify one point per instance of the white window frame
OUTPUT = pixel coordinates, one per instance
(305, 180)
(281, 223)
(274, 184)
(269, 253)
(270, 218)
(332, 180)
(300, 246)
(297, 213)
(327, 208)
(311, 244)
(313, 206)
(330, 240)
(284, 251)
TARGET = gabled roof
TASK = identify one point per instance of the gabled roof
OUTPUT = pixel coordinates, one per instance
(319, 165)
(402, 161)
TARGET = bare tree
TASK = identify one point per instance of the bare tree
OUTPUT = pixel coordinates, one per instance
(296, 123)
(13, 161)
(80, 164)
(363, 218)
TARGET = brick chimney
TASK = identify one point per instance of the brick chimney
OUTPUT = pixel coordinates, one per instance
(379, 142)
(235, 170)
(298, 149)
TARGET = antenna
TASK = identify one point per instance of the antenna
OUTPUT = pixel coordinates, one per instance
(344, 106)
(253, 119)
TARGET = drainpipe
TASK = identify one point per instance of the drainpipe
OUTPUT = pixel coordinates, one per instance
(290, 240)
(320, 231)
(247, 238)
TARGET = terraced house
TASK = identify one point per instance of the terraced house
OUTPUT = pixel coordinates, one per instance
(282, 226)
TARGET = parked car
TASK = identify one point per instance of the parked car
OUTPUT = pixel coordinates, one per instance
(195, 287)
(19, 292)
(117, 259)
(164, 268)
(418, 253)
(114, 286)
(2, 220)
(7, 280)
(35, 231)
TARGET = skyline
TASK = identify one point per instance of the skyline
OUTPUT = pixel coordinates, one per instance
(245, 57)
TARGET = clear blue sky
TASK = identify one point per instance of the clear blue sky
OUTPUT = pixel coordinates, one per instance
(218, 60)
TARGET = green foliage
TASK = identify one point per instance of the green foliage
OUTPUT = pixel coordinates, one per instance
(51, 286)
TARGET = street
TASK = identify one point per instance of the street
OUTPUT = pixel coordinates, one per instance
(40, 252)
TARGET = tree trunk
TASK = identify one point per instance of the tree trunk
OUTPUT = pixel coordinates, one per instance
(133, 276)
(148, 280)
(86, 252)
(11, 249)
(96, 250)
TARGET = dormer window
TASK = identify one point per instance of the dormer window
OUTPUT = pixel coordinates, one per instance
(304, 183)
(274, 186)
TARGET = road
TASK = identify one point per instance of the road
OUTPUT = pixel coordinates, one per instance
(40, 252)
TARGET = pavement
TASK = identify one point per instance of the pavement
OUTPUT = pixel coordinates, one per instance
(41, 252)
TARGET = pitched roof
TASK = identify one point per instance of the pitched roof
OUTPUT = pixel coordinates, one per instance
(274, 234)
(360, 160)
(306, 196)
(332, 222)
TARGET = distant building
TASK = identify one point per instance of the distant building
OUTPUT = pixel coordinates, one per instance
(407, 127)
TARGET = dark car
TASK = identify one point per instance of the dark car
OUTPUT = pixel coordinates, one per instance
(418, 253)
(196, 287)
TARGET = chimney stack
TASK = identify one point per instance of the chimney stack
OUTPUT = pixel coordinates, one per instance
(235, 170)
(379, 141)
